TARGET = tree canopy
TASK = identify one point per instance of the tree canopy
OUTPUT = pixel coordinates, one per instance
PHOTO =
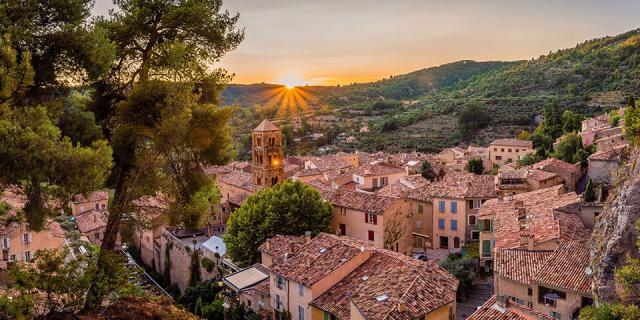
(475, 165)
(288, 208)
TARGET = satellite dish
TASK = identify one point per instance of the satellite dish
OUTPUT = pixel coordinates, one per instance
(588, 270)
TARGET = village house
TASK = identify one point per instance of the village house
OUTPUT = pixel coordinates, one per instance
(503, 151)
(382, 222)
(456, 200)
(148, 222)
(92, 224)
(603, 168)
(537, 220)
(421, 213)
(457, 158)
(371, 177)
(499, 308)
(19, 241)
(332, 277)
(98, 200)
(569, 173)
(553, 282)
(511, 181)
(250, 286)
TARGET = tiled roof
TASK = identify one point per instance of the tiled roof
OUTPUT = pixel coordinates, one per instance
(490, 310)
(460, 185)
(308, 172)
(14, 197)
(519, 265)
(542, 219)
(394, 190)
(279, 245)
(566, 268)
(266, 125)
(239, 179)
(613, 154)
(328, 162)
(238, 199)
(359, 201)
(507, 172)
(91, 220)
(151, 207)
(94, 196)
(421, 286)
(376, 170)
(316, 259)
(404, 186)
(512, 143)
(218, 170)
(557, 166)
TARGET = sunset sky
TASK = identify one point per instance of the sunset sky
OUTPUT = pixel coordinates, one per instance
(343, 41)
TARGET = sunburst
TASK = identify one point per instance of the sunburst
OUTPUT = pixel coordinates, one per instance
(292, 101)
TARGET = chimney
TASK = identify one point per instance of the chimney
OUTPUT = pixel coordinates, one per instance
(502, 301)
(309, 262)
(267, 245)
(402, 306)
(290, 248)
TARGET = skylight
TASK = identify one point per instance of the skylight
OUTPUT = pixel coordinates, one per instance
(382, 297)
(365, 278)
(323, 250)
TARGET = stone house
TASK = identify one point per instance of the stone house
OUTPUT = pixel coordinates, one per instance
(503, 151)
(98, 200)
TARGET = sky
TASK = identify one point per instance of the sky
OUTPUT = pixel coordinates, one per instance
(297, 42)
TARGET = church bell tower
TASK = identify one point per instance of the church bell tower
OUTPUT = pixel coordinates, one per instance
(267, 159)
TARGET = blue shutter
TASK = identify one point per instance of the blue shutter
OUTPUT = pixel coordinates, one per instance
(441, 206)
(454, 207)
(454, 225)
(441, 224)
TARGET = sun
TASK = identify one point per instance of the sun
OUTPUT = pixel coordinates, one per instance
(290, 81)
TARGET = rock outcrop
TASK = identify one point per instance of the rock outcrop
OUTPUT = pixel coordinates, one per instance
(614, 236)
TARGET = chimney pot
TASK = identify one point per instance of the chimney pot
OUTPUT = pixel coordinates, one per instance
(402, 306)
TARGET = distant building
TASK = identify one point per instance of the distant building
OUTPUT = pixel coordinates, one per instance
(503, 151)
(98, 200)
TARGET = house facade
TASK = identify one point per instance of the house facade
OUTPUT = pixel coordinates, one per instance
(503, 151)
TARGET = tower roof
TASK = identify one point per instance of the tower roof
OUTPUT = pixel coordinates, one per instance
(266, 125)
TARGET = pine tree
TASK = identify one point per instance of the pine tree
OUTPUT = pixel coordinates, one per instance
(589, 194)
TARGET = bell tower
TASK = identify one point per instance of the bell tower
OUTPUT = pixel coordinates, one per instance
(266, 140)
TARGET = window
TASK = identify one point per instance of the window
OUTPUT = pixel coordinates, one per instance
(517, 150)
(475, 235)
(12, 257)
(509, 150)
(454, 207)
(456, 242)
(104, 206)
(470, 204)
(301, 289)
(420, 208)
(418, 225)
(384, 181)
(498, 158)
(472, 220)
(300, 312)
(280, 281)
(27, 256)
(501, 149)
(371, 235)
(486, 248)
(441, 224)
(375, 182)
(554, 315)
(371, 218)
(278, 306)
(5, 243)
(97, 206)
(97, 235)
(454, 225)
(441, 206)
(444, 243)
(26, 238)
(529, 291)
(495, 149)
(329, 316)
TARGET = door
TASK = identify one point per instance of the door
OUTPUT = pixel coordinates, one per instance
(444, 242)
(343, 229)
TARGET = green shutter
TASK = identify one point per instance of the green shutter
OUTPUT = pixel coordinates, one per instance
(486, 247)
(481, 225)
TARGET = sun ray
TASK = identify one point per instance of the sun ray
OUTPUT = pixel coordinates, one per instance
(277, 98)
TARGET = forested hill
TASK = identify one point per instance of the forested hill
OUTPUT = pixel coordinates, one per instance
(592, 76)
(401, 87)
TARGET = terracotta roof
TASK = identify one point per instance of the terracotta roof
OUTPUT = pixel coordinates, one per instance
(461, 185)
(404, 186)
(94, 196)
(384, 281)
(507, 172)
(316, 259)
(239, 179)
(266, 125)
(613, 154)
(151, 207)
(278, 246)
(540, 217)
(376, 170)
(91, 220)
(566, 268)
(14, 197)
(359, 201)
(490, 310)
(519, 265)
(328, 162)
(238, 199)
(556, 166)
(217, 170)
(512, 143)
(308, 172)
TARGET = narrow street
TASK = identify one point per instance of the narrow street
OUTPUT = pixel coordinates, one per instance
(478, 296)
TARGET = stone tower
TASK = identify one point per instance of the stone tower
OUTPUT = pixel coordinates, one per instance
(267, 158)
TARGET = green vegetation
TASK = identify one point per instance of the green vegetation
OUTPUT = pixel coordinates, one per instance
(427, 172)
(290, 208)
(475, 165)
(464, 268)
(203, 300)
(632, 122)
(472, 118)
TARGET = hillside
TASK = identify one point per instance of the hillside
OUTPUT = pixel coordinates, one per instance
(588, 78)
